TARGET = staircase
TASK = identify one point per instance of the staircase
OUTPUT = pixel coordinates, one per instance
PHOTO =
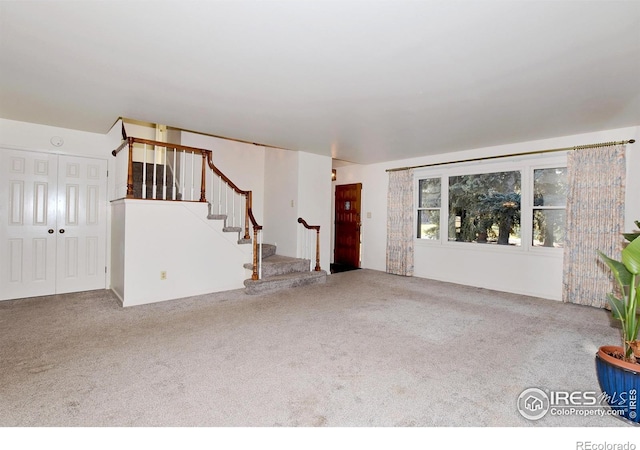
(282, 272)
(278, 272)
(232, 205)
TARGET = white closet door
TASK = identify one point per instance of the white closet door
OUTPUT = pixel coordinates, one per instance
(53, 224)
(82, 208)
(28, 230)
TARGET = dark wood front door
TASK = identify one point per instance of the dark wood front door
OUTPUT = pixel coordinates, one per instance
(347, 243)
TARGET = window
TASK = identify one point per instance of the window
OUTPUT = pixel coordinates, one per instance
(485, 208)
(429, 199)
(549, 206)
(516, 204)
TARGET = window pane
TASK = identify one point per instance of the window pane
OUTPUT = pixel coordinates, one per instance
(429, 224)
(429, 193)
(550, 187)
(485, 208)
(548, 227)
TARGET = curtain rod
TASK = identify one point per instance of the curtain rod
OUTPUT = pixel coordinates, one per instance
(577, 147)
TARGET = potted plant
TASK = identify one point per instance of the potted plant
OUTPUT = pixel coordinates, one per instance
(618, 368)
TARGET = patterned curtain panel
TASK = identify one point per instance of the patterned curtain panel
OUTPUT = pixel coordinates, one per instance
(400, 223)
(595, 221)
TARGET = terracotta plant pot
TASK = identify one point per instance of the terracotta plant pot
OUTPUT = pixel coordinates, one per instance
(620, 381)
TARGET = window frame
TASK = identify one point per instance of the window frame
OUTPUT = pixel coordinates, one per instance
(418, 208)
(525, 165)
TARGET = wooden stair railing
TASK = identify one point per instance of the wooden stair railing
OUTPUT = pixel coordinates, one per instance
(317, 228)
(207, 160)
(257, 246)
(131, 141)
(247, 195)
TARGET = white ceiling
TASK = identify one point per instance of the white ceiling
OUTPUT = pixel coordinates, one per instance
(361, 81)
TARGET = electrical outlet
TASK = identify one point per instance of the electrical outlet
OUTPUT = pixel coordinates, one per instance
(163, 274)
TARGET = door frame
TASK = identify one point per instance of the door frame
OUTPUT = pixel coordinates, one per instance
(335, 222)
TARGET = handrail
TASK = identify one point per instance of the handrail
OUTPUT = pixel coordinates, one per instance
(248, 195)
(317, 228)
(307, 226)
(254, 223)
(255, 275)
(132, 139)
(120, 147)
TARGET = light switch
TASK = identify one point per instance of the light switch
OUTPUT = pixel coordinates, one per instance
(368, 215)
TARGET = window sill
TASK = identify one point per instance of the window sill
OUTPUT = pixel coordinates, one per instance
(491, 248)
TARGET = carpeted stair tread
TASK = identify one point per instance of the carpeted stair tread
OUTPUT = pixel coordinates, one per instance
(280, 282)
(232, 229)
(268, 250)
(279, 265)
(275, 259)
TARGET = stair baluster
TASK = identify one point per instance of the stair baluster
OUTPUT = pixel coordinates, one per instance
(144, 172)
(175, 182)
(164, 174)
(317, 228)
(154, 188)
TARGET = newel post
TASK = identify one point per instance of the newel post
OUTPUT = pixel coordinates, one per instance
(247, 206)
(254, 275)
(203, 183)
(130, 170)
(317, 269)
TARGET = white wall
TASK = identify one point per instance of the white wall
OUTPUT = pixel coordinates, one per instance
(314, 203)
(281, 200)
(117, 231)
(140, 130)
(31, 136)
(209, 261)
(632, 207)
(520, 273)
(297, 184)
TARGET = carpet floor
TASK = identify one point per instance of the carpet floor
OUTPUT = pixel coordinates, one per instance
(364, 349)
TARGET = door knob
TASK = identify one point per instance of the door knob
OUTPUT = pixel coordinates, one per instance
(61, 230)
(50, 231)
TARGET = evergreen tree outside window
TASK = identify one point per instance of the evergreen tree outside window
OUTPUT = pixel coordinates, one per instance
(549, 207)
(518, 204)
(485, 208)
(429, 202)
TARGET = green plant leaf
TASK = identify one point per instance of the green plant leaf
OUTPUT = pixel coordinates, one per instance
(617, 307)
(631, 257)
(619, 270)
(630, 236)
